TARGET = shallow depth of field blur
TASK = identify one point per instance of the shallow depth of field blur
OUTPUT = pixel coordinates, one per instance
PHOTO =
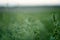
(30, 23)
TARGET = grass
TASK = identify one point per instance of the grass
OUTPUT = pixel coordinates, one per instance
(29, 24)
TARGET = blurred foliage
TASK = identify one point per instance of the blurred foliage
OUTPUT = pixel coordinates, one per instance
(30, 24)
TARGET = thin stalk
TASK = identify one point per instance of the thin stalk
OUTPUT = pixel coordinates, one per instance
(55, 26)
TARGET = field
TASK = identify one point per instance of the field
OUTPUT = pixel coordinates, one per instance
(30, 23)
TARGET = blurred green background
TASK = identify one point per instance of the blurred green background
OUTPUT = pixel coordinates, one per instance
(30, 23)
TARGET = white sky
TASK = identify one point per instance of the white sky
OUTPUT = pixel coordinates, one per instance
(30, 2)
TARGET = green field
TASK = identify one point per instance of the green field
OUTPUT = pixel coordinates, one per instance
(30, 23)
